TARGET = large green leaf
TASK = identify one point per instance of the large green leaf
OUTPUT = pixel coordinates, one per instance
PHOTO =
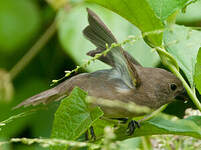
(73, 117)
(138, 13)
(197, 76)
(131, 144)
(164, 8)
(19, 21)
(160, 125)
(183, 43)
(71, 37)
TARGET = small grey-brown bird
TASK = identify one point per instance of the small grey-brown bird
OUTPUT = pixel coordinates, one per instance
(126, 81)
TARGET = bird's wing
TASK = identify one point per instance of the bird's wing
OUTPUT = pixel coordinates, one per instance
(100, 35)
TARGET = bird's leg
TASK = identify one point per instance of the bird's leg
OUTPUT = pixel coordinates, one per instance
(132, 125)
(93, 136)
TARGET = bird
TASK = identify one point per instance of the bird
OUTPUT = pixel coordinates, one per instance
(126, 80)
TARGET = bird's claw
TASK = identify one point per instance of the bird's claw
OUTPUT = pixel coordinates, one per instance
(132, 125)
(93, 136)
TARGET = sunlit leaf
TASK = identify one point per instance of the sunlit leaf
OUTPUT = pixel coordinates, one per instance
(192, 15)
(183, 43)
(131, 144)
(138, 13)
(197, 76)
(164, 8)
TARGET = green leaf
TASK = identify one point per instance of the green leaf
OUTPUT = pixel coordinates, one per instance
(70, 33)
(138, 13)
(19, 21)
(197, 76)
(131, 144)
(99, 126)
(159, 125)
(73, 117)
(183, 43)
(165, 8)
(195, 119)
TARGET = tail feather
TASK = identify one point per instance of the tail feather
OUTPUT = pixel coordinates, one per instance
(43, 97)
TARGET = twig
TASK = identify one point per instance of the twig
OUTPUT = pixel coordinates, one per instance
(50, 142)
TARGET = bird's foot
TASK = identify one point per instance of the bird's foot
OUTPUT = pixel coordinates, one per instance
(132, 125)
(93, 136)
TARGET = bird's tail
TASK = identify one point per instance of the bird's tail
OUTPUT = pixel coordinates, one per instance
(45, 97)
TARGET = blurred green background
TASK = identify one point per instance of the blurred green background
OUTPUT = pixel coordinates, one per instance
(23, 22)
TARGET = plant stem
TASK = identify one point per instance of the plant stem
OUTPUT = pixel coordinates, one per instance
(25, 60)
(188, 89)
(146, 143)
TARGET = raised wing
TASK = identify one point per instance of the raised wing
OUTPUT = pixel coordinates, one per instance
(100, 35)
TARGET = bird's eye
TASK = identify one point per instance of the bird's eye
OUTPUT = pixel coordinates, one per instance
(173, 86)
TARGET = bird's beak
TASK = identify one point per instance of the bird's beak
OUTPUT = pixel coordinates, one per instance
(183, 96)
